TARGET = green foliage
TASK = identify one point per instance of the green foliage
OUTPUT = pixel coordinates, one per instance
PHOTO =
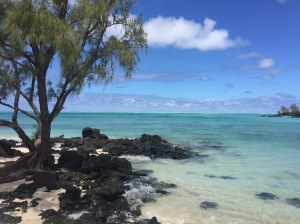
(82, 36)
(35, 134)
(91, 40)
(293, 111)
(79, 36)
(284, 111)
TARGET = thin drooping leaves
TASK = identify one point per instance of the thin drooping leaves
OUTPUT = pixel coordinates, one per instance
(90, 40)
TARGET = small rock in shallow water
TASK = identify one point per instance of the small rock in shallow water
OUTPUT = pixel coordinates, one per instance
(266, 196)
(162, 192)
(208, 205)
(145, 172)
(220, 177)
(148, 200)
(294, 202)
(153, 221)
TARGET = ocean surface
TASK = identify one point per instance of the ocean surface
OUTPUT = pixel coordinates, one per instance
(248, 154)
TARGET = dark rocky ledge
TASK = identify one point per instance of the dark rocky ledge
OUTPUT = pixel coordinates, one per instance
(5, 149)
(97, 185)
(152, 146)
(93, 184)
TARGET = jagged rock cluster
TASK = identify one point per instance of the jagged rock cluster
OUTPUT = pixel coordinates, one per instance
(94, 184)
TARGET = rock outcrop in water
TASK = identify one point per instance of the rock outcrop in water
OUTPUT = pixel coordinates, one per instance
(294, 202)
(94, 185)
(152, 146)
(98, 184)
(208, 205)
(266, 196)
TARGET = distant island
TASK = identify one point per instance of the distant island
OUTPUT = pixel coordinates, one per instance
(292, 111)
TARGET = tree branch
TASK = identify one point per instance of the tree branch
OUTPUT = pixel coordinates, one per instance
(93, 56)
(27, 141)
(59, 100)
(6, 123)
(19, 109)
(25, 54)
(32, 89)
(31, 104)
(61, 105)
(17, 84)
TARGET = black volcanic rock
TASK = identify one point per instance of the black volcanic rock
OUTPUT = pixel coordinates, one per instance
(93, 133)
(294, 202)
(7, 219)
(104, 178)
(87, 132)
(71, 159)
(266, 196)
(6, 150)
(108, 189)
(220, 177)
(153, 221)
(105, 162)
(208, 205)
(70, 198)
(152, 146)
(25, 190)
(45, 178)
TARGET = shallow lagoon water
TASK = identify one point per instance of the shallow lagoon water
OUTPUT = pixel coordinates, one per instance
(259, 154)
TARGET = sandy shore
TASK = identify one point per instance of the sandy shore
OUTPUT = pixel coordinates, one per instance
(89, 182)
(48, 199)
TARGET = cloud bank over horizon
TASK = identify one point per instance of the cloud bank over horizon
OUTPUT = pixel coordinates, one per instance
(94, 102)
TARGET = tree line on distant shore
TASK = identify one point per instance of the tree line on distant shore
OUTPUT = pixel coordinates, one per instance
(293, 111)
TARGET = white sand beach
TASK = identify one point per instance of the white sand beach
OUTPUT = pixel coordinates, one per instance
(48, 200)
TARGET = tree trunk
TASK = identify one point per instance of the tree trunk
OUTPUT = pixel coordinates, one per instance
(40, 159)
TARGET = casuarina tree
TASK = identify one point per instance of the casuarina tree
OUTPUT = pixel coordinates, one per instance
(88, 39)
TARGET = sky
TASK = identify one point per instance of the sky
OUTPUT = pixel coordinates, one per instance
(208, 56)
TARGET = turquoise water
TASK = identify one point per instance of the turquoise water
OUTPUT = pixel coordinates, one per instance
(261, 153)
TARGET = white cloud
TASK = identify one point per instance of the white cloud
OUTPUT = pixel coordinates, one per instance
(115, 30)
(266, 66)
(204, 78)
(252, 54)
(145, 103)
(171, 103)
(118, 30)
(246, 67)
(187, 34)
(269, 73)
(266, 63)
(171, 76)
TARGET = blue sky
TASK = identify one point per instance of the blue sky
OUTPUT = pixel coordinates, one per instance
(208, 56)
(211, 56)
